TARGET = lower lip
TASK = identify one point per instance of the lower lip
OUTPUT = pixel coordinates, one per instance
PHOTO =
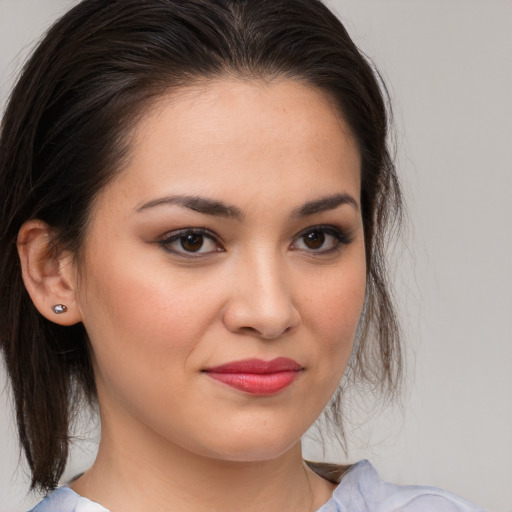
(257, 383)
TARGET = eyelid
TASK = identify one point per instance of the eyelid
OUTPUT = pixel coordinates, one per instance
(173, 236)
(342, 236)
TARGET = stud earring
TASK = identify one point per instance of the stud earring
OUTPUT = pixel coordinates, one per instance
(59, 308)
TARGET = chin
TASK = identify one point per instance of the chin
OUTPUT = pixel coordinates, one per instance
(249, 446)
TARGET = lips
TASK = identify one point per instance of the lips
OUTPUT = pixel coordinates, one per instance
(256, 376)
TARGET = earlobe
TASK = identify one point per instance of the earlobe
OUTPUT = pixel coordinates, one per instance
(49, 275)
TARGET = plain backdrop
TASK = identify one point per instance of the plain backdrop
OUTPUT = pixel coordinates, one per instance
(448, 64)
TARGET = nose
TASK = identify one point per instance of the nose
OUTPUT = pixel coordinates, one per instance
(261, 302)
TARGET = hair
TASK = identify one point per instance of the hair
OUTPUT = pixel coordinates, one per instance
(66, 132)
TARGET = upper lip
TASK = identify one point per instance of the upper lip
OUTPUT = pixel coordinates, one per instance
(258, 366)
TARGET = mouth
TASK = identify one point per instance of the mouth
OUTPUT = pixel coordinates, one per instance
(255, 376)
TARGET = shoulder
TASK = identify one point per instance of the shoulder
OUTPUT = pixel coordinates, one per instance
(65, 499)
(362, 490)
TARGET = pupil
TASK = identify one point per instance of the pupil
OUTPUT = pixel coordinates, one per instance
(192, 242)
(314, 240)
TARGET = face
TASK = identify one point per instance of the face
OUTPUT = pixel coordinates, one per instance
(224, 270)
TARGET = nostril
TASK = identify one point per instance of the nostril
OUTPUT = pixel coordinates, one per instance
(249, 330)
(267, 312)
(265, 331)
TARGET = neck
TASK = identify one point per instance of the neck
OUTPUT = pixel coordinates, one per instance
(134, 472)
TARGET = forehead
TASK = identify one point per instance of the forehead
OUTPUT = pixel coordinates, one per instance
(237, 108)
(281, 138)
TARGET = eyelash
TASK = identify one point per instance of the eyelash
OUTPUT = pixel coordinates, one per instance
(181, 235)
(341, 238)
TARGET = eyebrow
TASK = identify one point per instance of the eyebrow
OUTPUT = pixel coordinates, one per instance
(198, 204)
(213, 207)
(324, 204)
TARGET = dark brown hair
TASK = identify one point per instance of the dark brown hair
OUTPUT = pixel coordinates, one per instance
(66, 131)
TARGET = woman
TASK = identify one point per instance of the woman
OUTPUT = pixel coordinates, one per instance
(195, 199)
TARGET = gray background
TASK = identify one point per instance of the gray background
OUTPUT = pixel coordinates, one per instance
(449, 67)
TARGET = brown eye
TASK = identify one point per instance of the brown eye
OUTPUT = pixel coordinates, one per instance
(192, 242)
(321, 240)
(314, 239)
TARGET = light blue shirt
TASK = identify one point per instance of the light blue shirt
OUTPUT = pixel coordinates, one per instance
(360, 490)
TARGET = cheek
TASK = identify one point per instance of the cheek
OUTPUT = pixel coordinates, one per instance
(144, 328)
(133, 314)
(338, 295)
(334, 312)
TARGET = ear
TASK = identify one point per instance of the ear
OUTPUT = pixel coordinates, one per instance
(49, 277)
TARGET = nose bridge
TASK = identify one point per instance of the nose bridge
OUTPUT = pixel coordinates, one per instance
(262, 301)
(269, 281)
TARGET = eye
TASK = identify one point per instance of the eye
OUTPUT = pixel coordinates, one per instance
(188, 242)
(314, 239)
(321, 239)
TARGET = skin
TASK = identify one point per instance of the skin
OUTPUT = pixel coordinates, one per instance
(157, 315)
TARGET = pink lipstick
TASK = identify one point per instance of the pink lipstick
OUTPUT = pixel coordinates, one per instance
(255, 376)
